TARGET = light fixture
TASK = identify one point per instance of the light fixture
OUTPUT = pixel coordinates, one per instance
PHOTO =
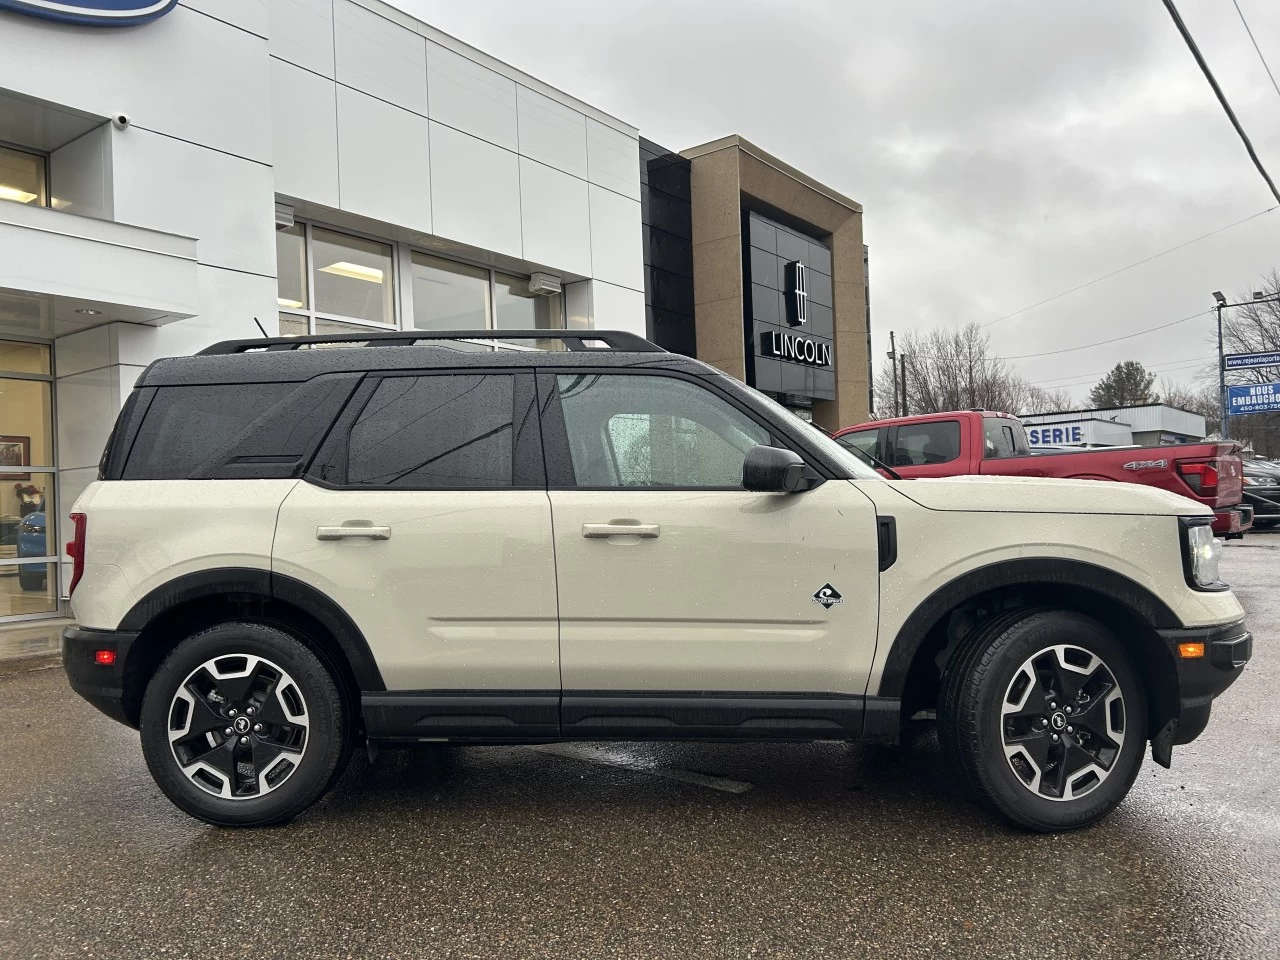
(356, 271)
(85, 311)
(288, 304)
(1217, 295)
(14, 193)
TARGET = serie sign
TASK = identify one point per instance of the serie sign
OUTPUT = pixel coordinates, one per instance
(1040, 435)
(93, 13)
(1254, 398)
(790, 346)
(1247, 361)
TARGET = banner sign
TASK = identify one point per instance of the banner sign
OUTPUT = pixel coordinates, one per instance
(1247, 361)
(93, 13)
(1254, 398)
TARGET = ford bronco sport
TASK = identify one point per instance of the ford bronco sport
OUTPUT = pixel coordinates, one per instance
(437, 537)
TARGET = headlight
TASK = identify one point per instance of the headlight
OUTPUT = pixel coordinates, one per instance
(1250, 481)
(1201, 552)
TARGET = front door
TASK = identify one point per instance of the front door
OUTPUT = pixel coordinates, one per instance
(425, 517)
(688, 605)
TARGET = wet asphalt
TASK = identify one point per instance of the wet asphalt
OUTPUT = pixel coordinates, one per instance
(621, 850)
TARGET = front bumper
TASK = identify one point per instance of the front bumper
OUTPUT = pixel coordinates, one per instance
(102, 685)
(1264, 500)
(1227, 648)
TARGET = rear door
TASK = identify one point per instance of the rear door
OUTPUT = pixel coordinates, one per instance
(425, 516)
(688, 605)
(928, 448)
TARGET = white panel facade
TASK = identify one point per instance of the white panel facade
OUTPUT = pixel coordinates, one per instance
(551, 132)
(380, 57)
(555, 217)
(301, 31)
(236, 232)
(617, 308)
(613, 159)
(475, 191)
(384, 161)
(304, 134)
(80, 173)
(248, 15)
(86, 350)
(469, 97)
(92, 399)
(617, 254)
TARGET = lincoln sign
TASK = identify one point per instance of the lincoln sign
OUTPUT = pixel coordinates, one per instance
(790, 346)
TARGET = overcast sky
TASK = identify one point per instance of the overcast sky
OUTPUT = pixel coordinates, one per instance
(1003, 150)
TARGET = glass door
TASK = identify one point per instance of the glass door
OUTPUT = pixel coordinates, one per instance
(28, 516)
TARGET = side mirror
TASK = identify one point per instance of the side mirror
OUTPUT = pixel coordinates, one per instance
(773, 470)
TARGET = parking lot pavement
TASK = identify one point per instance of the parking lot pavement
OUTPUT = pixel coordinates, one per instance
(617, 850)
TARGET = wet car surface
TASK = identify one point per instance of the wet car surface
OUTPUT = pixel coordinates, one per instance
(634, 850)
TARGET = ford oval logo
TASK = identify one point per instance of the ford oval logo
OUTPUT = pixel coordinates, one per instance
(93, 13)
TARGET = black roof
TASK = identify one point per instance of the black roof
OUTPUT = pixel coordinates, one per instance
(284, 359)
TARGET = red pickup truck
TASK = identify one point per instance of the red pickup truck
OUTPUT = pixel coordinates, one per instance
(983, 442)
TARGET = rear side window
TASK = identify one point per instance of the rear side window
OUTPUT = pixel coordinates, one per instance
(1003, 438)
(921, 444)
(435, 432)
(186, 427)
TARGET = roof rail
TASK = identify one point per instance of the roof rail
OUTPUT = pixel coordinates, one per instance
(584, 340)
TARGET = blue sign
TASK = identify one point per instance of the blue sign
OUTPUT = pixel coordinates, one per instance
(1037, 436)
(93, 13)
(1247, 361)
(1254, 398)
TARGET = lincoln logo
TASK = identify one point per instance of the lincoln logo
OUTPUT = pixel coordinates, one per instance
(797, 294)
(790, 346)
(93, 13)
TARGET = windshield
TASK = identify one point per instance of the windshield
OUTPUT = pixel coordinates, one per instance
(854, 468)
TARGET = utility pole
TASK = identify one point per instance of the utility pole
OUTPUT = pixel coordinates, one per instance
(904, 385)
(1222, 368)
(893, 362)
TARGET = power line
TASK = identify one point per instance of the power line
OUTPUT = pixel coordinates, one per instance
(1094, 378)
(1255, 47)
(1099, 343)
(1222, 98)
(1108, 276)
(1167, 364)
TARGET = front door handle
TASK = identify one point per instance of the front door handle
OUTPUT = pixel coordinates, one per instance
(353, 529)
(621, 528)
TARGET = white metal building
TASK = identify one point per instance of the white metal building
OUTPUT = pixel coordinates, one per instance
(1148, 425)
(320, 165)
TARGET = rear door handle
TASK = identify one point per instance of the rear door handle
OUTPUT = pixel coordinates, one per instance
(621, 528)
(353, 529)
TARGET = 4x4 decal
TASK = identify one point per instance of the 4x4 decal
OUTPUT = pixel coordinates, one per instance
(828, 596)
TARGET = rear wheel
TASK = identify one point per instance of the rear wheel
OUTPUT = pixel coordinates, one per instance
(242, 725)
(1046, 717)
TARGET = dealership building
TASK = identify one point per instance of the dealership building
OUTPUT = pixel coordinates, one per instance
(336, 166)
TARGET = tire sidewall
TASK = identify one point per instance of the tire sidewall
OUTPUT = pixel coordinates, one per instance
(1004, 787)
(325, 732)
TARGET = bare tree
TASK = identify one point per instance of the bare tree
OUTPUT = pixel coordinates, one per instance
(1202, 400)
(1254, 328)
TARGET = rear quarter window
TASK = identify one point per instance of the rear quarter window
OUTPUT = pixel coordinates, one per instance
(921, 444)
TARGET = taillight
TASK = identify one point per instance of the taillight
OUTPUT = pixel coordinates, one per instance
(75, 550)
(1200, 475)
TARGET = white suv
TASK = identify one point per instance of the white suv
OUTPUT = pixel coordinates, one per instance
(418, 537)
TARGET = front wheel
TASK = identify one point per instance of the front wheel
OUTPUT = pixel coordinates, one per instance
(1046, 717)
(242, 725)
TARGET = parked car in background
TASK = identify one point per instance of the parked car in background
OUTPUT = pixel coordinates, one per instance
(32, 540)
(1262, 492)
(963, 442)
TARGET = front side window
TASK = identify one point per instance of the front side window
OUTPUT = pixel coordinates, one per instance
(653, 432)
(22, 177)
(922, 444)
(435, 432)
(862, 443)
(352, 277)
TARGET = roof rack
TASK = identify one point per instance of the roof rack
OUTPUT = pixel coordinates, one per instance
(585, 340)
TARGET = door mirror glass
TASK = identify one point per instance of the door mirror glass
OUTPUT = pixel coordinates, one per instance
(773, 470)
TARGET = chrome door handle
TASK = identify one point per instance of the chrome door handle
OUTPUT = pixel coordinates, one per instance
(352, 529)
(621, 528)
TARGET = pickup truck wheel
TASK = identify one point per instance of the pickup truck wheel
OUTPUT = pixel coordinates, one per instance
(1046, 717)
(242, 725)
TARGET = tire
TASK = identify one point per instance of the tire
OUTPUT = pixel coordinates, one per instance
(31, 582)
(290, 732)
(1037, 666)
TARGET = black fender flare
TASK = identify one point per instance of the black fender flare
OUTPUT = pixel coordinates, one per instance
(1030, 572)
(249, 583)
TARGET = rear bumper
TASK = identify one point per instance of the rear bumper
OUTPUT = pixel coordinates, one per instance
(1233, 521)
(101, 685)
(1227, 649)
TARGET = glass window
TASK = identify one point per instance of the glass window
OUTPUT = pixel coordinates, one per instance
(26, 423)
(291, 268)
(19, 357)
(515, 308)
(26, 588)
(293, 326)
(187, 426)
(352, 277)
(435, 432)
(863, 443)
(650, 431)
(927, 443)
(449, 295)
(22, 177)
